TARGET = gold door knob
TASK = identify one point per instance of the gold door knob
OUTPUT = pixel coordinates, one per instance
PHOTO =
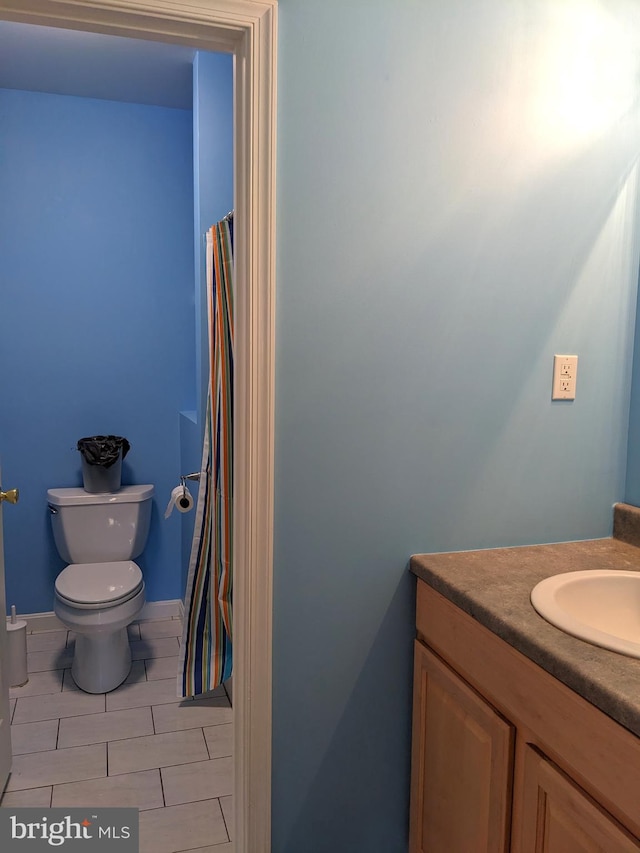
(11, 496)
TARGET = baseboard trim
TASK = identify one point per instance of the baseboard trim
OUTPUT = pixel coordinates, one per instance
(153, 610)
(41, 622)
(162, 609)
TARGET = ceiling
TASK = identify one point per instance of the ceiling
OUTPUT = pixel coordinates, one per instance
(90, 65)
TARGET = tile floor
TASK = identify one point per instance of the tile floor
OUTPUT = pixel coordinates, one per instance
(137, 746)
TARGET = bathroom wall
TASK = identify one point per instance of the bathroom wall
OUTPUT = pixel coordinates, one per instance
(632, 489)
(97, 322)
(457, 187)
(213, 180)
(213, 199)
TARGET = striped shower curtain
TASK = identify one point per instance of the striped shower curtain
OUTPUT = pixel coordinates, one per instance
(205, 652)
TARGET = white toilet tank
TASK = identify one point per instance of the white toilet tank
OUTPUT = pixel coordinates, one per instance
(97, 528)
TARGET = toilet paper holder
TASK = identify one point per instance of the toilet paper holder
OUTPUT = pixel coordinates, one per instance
(185, 477)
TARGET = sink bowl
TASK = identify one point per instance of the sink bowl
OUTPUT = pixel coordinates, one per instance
(601, 606)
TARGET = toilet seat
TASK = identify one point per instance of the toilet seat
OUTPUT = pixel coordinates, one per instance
(89, 586)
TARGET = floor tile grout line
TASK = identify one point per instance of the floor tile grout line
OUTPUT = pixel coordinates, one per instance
(164, 799)
(93, 743)
(97, 714)
(224, 820)
(134, 737)
(48, 693)
(53, 785)
(46, 785)
(59, 748)
(170, 766)
(50, 719)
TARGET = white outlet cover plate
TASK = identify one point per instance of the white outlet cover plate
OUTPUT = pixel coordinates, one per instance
(565, 372)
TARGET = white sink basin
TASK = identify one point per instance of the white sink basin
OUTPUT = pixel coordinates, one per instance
(599, 606)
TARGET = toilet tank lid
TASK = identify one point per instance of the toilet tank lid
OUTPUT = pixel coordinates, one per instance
(78, 497)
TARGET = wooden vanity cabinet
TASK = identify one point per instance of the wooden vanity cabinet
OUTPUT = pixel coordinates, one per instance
(507, 758)
(462, 758)
(558, 817)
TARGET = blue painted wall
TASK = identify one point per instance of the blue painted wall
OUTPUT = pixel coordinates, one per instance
(632, 491)
(213, 199)
(213, 180)
(457, 203)
(97, 323)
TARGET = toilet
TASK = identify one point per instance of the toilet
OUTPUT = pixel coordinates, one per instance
(101, 591)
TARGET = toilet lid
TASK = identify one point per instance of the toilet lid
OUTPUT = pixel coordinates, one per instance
(95, 583)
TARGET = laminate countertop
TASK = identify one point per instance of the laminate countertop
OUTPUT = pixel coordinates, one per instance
(493, 586)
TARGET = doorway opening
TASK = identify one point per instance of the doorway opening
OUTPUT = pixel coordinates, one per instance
(247, 29)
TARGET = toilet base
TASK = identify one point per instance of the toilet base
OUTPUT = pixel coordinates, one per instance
(102, 658)
(101, 661)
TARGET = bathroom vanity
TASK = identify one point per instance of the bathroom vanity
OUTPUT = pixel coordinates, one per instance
(524, 738)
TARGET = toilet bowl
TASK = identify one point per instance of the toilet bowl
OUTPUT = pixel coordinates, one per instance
(102, 590)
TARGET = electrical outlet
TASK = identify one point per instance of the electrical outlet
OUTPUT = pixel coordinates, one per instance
(565, 371)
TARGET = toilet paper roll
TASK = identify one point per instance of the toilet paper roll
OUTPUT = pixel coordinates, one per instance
(17, 653)
(180, 499)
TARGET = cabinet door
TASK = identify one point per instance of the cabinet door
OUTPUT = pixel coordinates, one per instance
(554, 815)
(462, 765)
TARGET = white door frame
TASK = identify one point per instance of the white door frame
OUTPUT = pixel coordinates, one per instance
(246, 28)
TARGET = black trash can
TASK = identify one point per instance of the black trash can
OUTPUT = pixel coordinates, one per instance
(102, 457)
